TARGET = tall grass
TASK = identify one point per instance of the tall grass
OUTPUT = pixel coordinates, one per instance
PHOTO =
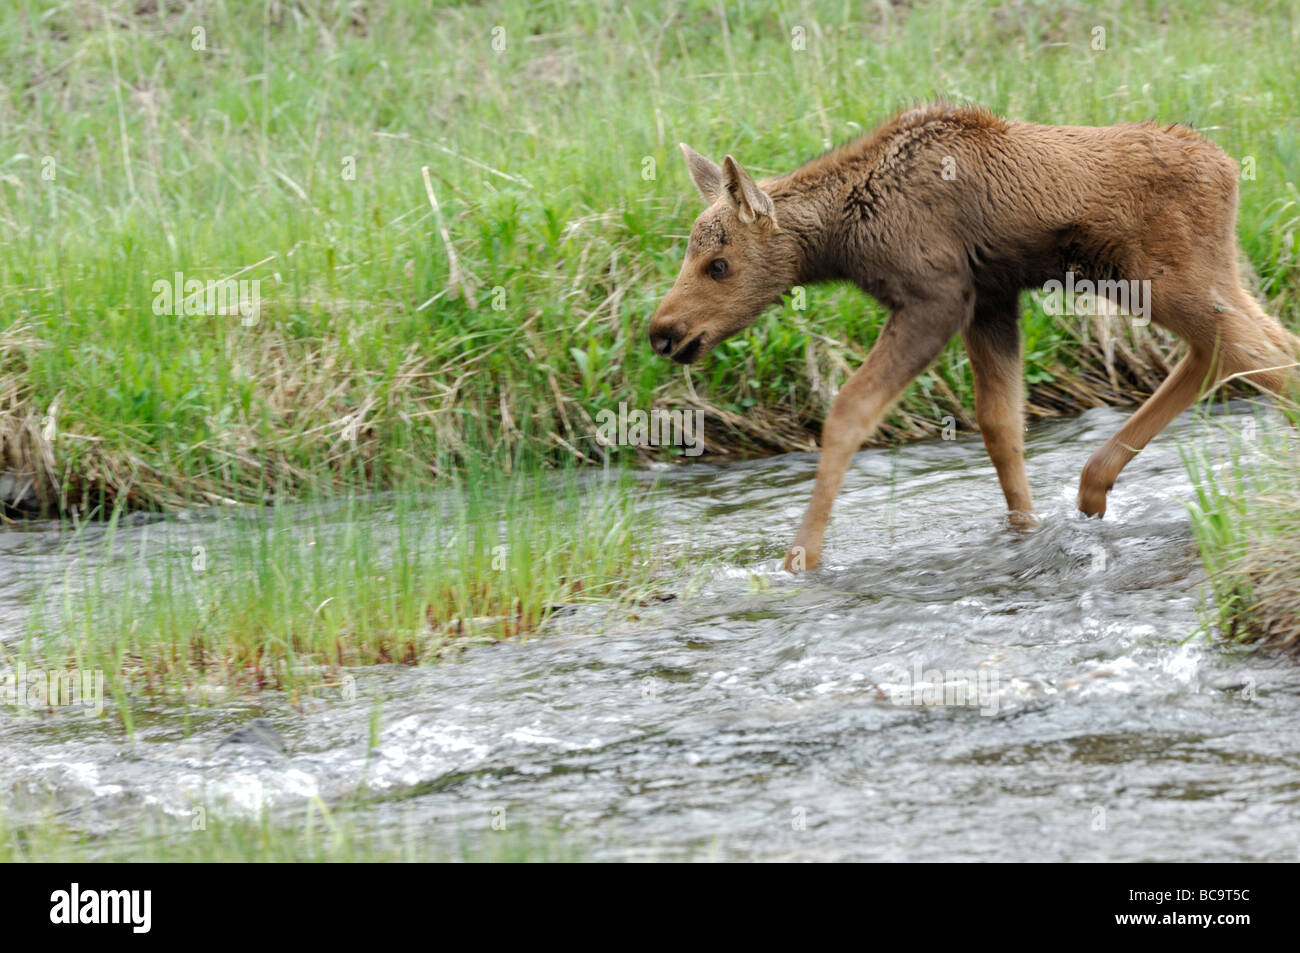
(288, 148)
(1246, 518)
(290, 597)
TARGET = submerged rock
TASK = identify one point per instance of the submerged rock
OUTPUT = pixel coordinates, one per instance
(260, 732)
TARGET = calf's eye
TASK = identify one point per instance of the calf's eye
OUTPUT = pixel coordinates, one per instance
(718, 268)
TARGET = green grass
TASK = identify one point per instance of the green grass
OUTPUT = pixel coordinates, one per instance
(1246, 518)
(288, 598)
(555, 167)
(319, 836)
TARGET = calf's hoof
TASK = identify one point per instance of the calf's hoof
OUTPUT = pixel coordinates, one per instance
(799, 559)
(1023, 521)
(1092, 502)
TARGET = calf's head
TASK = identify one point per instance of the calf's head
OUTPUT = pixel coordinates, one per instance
(738, 262)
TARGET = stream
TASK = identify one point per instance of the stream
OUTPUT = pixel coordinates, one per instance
(944, 688)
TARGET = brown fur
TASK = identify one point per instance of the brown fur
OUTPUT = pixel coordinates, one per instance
(1022, 204)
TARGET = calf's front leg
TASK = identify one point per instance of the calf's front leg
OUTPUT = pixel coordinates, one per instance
(911, 338)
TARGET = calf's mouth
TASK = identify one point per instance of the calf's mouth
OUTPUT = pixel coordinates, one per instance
(690, 350)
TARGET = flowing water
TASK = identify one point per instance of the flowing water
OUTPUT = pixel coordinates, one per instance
(944, 688)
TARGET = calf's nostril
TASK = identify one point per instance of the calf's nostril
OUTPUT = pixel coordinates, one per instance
(662, 343)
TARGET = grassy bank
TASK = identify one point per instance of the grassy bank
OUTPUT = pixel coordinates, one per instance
(283, 142)
(1247, 522)
(290, 598)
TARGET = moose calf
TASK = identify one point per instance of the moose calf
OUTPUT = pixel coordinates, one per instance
(944, 214)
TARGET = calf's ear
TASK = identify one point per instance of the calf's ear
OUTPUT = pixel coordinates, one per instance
(704, 173)
(750, 202)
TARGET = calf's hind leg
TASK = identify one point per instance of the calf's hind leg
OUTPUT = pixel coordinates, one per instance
(1179, 391)
(1227, 333)
(993, 344)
